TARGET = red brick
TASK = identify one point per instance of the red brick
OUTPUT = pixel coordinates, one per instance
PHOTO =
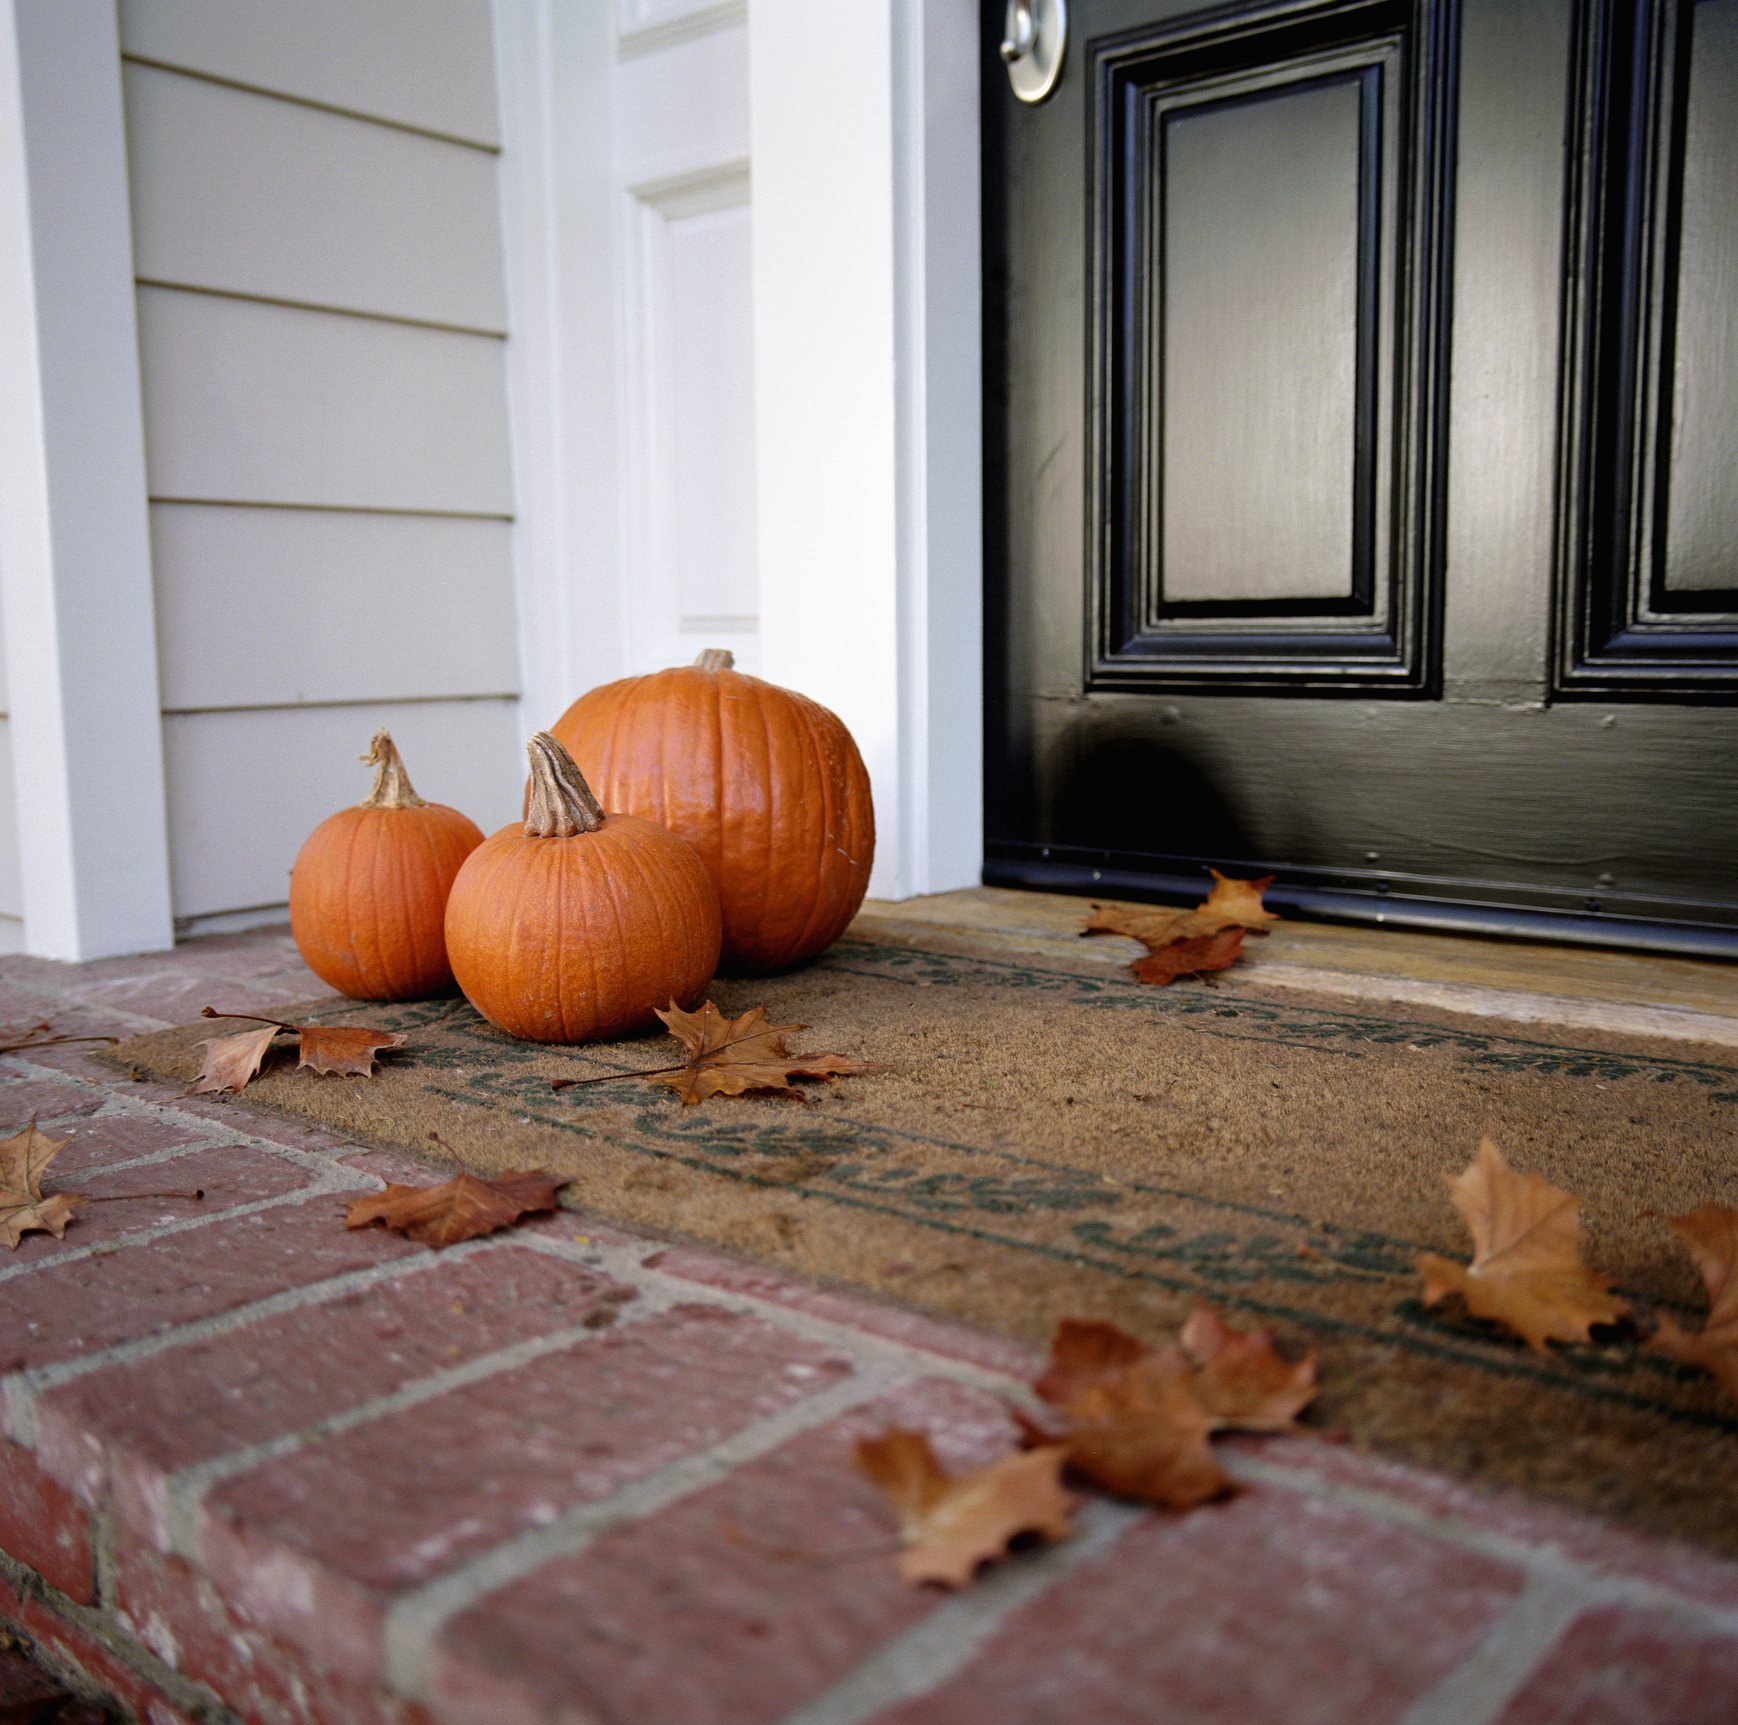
(27, 1692)
(47, 1100)
(730, 1607)
(257, 1123)
(314, 1545)
(126, 1428)
(950, 1341)
(175, 994)
(229, 1175)
(43, 1525)
(63, 1645)
(117, 1138)
(182, 1618)
(1602, 1545)
(1626, 1666)
(66, 1310)
(1271, 1607)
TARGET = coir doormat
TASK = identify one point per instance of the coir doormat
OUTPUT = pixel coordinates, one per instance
(1045, 1144)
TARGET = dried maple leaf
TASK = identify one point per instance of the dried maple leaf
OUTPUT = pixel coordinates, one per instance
(953, 1522)
(1191, 957)
(1527, 1270)
(343, 1048)
(1711, 1234)
(230, 1061)
(1139, 1421)
(1240, 1380)
(23, 1209)
(458, 1209)
(729, 1056)
(1142, 1433)
(1186, 943)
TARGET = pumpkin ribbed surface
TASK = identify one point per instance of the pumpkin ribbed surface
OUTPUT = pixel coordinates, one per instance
(764, 783)
(368, 893)
(577, 939)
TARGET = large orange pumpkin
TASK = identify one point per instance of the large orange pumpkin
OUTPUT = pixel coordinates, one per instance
(368, 893)
(576, 925)
(766, 785)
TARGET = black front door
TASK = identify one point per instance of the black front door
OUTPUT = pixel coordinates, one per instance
(1362, 450)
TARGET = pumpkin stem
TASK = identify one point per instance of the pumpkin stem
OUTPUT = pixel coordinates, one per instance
(716, 659)
(392, 787)
(561, 803)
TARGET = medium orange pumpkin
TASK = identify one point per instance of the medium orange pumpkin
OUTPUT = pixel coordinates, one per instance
(766, 785)
(368, 894)
(575, 926)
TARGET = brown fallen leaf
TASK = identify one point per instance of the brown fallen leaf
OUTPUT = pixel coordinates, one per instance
(23, 1208)
(1188, 943)
(1139, 1421)
(343, 1048)
(1711, 1234)
(1240, 1380)
(1191, 957)
(458, 1209)
(729, 1056)
(230, 1061)
(1527, 1271)
(953, 1522)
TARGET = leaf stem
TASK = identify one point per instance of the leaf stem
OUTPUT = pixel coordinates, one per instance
(118, 1197)
(212, 1012)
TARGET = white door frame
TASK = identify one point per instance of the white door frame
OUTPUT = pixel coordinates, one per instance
(864, 164)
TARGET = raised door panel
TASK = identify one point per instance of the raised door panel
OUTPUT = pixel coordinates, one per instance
(1267, 314)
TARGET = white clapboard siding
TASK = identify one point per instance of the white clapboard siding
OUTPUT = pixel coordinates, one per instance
(247, 194)
(245, 789)
(422, 63)
(272, 404)
(279, 607)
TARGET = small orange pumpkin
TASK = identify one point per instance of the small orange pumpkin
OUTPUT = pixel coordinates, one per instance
(575, 926)
(764, 783)
(368, 894)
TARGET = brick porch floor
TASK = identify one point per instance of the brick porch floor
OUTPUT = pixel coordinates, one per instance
(259, 1468)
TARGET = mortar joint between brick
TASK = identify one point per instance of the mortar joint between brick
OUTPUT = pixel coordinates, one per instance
(415, 1621)
(330, 1183)
(187, 1489)
(100, 1624)
(858, 1345)
(22, 1388)
(1543, 1560)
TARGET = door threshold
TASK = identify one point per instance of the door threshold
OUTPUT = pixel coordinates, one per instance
(1563, 985)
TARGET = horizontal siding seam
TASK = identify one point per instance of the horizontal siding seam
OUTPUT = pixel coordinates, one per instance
(312, 102)
(358, 701)
(333, 508)
(316, 306)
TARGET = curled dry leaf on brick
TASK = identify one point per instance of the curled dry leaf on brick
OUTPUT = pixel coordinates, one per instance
(457, 1209)
(1139, 1420)
(731, 1056)
(1711, 1235)
(1527, 1272)
(951, 1523)
(1189, 942)
(342, 1049)
(23, 1208)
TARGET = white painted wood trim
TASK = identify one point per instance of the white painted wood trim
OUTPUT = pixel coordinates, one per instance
(560, 231)
(865, 161)
(75, 562)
